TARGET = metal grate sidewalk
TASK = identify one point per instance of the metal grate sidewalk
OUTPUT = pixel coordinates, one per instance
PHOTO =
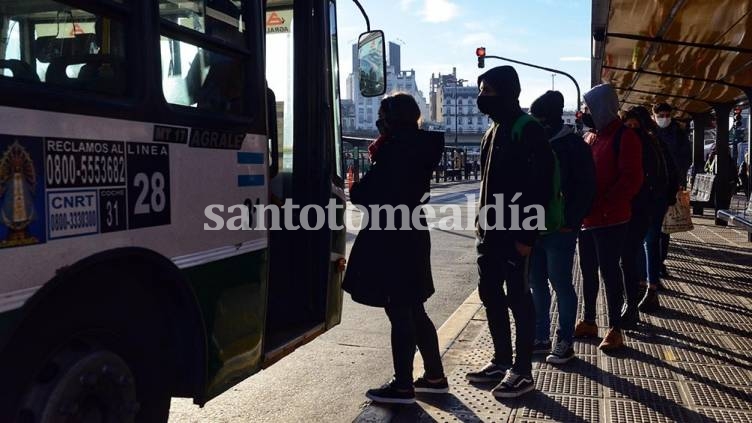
(689, 362)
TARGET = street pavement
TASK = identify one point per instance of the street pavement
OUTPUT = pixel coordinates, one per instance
(325, 380)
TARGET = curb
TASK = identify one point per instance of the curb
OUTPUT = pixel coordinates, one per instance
(448, 334)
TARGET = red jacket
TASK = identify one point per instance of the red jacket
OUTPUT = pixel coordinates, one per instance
(617, 180)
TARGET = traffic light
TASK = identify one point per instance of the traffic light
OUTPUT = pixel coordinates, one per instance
(738, 117)
(481, 53)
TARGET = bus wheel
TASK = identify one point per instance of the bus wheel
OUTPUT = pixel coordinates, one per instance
(82, 383)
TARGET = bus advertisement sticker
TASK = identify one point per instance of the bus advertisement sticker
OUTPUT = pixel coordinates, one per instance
(72, 213)
(84, 163)
(112, 210)
(22, 191)
(148, 184)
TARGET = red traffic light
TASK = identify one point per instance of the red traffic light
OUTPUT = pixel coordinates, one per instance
(481, 53)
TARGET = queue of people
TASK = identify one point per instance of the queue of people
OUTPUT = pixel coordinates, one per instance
(604, 195)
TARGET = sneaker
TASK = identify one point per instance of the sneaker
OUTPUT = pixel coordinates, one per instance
(390, 394)
(513, 385)
(585, 329)
(491, 373)
(541, 347)
(562, 353)
(423, 385)
(650, 301)
(613, 340)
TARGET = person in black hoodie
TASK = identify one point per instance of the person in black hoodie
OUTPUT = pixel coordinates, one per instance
(515, 159)
(553, 254)
(392, 268)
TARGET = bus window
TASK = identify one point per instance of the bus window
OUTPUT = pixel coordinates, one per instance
(335, 91)
(10, 45)
(200, 77)
(279, 74)
(197, 77)
(62, 46)
(221, 19)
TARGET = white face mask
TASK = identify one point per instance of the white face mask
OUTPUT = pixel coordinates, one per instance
(663, 122)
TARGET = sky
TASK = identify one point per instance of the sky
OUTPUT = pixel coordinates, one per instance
(437, 35)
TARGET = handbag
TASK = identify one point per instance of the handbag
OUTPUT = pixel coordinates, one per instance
(678, 217)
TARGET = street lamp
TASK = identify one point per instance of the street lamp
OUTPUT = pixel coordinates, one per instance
(456, 110)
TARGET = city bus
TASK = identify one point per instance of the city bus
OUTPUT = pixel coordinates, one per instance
(120, 123)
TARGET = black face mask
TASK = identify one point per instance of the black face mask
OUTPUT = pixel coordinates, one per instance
(587, 120)
(494, 106)
(381, 126)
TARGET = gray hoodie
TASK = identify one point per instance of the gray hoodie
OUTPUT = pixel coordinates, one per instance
(603, 104)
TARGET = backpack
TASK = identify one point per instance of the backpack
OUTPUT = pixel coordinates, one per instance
(555, 206)
(654, 168)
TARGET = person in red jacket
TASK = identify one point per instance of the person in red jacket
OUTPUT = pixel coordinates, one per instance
(617, 153)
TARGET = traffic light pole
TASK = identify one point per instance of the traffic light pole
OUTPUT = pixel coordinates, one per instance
(536, 67)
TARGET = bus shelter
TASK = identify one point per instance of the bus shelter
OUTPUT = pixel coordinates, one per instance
(695, 55)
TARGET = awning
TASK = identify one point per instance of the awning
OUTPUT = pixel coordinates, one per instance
(691, 54)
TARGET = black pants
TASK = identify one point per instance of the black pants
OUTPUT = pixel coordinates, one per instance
(633, 245)
(412, 327)
(601, 249)
(665, 240)
(495, 267)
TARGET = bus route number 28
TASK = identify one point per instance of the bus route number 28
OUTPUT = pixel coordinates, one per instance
(148, 184)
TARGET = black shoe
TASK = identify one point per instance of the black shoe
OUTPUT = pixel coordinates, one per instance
(541, 347)
(491, 373)
(650, 302)
(390, 394)
(562, 353)
(630, 317)
(423, 385)
(513, 386)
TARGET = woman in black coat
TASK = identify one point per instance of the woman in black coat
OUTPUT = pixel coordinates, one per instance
(390, 262)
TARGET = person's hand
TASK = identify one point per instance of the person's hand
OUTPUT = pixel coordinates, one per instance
(523, 249)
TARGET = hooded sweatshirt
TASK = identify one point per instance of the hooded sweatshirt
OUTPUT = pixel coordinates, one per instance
(576, 169)
(511, 166)
(618, 175)
(577, 173)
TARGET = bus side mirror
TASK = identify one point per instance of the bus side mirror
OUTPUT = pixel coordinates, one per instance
(372, 63)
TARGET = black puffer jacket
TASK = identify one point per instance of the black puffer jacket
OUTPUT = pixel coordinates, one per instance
(394, 266)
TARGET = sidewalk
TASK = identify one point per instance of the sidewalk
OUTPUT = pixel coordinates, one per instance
(689, 362)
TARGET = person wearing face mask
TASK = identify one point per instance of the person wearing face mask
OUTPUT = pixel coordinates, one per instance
(553, 254)
(679, 148)
(515, 159)
(618, 178)
(391, 268)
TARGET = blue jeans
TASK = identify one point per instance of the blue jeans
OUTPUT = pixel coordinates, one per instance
(552, 259)
(654, 247)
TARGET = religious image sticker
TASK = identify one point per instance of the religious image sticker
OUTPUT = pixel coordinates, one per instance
(22, 191)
